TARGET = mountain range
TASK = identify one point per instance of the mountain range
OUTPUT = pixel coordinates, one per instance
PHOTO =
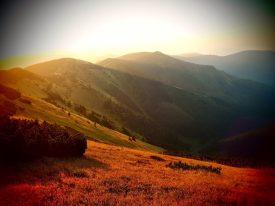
(174, 104)
(254, 65)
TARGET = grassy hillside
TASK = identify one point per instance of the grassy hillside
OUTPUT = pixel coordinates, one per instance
(165, 115)
(111, 175)
(31, 108)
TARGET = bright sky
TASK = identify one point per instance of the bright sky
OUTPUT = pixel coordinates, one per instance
(37, 30)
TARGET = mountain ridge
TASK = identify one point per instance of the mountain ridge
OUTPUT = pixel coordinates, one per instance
(165, 115)
(255, 65)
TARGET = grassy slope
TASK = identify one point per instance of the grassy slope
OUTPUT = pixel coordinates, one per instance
(138, 104)
(111, 175)
(116, 175)
(42, 110)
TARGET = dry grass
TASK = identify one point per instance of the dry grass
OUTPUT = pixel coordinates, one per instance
(111, 175)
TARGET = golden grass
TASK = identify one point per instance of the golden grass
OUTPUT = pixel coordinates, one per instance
(112, 175)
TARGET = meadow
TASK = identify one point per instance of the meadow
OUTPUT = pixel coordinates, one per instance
(114, 175)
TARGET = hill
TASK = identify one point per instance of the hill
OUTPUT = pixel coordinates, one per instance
(165, 115)
(194, 78)
(254, 65)
(237, 95)
(137, 103)
(170, 71)
(26, 107)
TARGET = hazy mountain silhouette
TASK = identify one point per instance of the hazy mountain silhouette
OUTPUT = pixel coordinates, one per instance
(254, 65)
(194, 78)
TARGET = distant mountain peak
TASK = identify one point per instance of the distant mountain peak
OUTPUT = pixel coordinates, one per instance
(62, 66)
(158, 52)
(189, 54)
(143, 55)
(257, 65)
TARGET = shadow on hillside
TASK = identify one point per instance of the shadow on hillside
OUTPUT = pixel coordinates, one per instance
(48, 169)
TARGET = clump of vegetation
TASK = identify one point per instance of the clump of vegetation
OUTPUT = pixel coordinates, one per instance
(132, 139)
(79, 174)
(157, 158)
(107, 123)
(95, 117)
(54, 97)
(24, 139)
(80, 109)
(185, 166)
(98, 118)
(125, 131)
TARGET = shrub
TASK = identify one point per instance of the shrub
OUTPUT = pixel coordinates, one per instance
(125, 131)
(107, 123)
(79, 174)
(185, 166)
(95, 117)
(80, 109)
(157, 158)
(20, 139)
(53, 97)
(98, 118)
(132, 138)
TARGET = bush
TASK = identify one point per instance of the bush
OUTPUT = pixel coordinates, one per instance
(53, 97)
(95, 117)
(80, 109)
(125, 131)
(20, 139)
(185, 166)
(157, 158)
(107, 123)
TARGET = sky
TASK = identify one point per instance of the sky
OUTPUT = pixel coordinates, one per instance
(40, 30)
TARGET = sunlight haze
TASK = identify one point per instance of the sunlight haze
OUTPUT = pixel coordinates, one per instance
(94, 30)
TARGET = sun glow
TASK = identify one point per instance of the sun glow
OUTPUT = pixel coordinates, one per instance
(93, 30)
(123, 33)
